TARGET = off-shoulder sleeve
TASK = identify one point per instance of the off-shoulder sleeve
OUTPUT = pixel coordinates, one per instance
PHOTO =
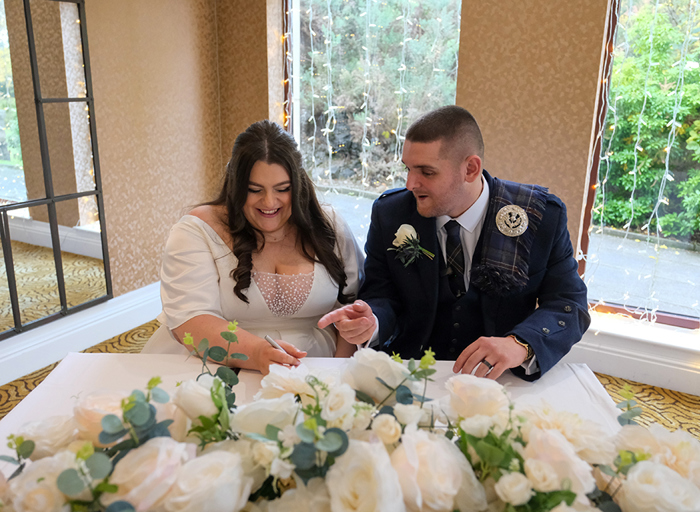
(189, 276)
(353, 257)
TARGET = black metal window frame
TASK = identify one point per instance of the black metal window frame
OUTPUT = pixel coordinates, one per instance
(51, 199)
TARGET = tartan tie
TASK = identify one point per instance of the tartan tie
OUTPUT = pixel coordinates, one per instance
(455, 259)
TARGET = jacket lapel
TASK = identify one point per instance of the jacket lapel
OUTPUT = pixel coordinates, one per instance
(427, 268)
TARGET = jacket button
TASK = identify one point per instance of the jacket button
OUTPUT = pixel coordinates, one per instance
(457, 308)
(562, 323)
(567, 309)
(545, 330)
(452, 350)
(456, 325)
(454, 341)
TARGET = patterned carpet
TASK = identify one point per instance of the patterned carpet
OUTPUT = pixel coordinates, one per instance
(35, 272)
(671, 409)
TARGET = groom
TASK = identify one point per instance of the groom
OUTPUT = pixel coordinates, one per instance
(489, 280)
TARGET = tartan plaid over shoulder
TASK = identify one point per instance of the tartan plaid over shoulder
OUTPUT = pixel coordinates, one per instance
(503, 268)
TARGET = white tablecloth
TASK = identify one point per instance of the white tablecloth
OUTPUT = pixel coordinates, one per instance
(570, 387)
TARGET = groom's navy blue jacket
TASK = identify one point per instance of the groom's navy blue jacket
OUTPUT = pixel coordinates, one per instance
(550, 312)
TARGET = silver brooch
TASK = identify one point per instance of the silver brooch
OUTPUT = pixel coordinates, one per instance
(511, 220)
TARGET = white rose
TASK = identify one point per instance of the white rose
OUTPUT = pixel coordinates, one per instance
(288, 436)
(49, 435)
(477, 425)
(338, 403)
(404, 232)
(90, 410)
(194, 397)
(35, 490)
(214, 482)
(363, 479)
(363, 416)
(244, 448)
(653, 487)
(408, 414)
(281, 468)
(312, 497)
(469, 395)
(254, 417)
(588, 438)
(542, 475)
(679, 450)
(366, 365)
(514, 488)
(170, 411)
(387, 428)
(434, 475)
(145, 474)
(265, 453)
(282, 380)
(552, 447)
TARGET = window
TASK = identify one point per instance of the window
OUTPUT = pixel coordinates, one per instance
(361, 71)
(644, 235)
(54, 247)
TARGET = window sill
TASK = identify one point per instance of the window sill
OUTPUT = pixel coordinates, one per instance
(655, 354)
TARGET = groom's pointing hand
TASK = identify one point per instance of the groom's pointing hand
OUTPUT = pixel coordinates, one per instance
(355, 322)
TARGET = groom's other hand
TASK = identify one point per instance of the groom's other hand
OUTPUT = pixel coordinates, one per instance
(355, 322)
(500, 353)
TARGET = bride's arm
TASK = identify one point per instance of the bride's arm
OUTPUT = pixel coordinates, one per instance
(260, 353)
(344, 348)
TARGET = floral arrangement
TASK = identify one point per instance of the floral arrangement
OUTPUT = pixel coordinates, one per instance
(407, 247)
(362, 439)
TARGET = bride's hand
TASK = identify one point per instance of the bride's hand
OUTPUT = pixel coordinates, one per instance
(266, 354)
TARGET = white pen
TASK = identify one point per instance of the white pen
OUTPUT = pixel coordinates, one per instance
(274, 344)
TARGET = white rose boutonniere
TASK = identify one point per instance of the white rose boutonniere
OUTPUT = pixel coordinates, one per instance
(407, 247)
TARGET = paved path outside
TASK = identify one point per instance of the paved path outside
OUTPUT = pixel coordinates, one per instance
(630, 271)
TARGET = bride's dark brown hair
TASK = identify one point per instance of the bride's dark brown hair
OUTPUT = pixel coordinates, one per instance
(267, 142)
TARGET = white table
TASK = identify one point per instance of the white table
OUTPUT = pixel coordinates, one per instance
(570, 387)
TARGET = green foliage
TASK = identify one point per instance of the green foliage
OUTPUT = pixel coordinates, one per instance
(647, 78)
(389, 62)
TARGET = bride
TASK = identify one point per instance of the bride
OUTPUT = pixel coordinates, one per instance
(265, 254)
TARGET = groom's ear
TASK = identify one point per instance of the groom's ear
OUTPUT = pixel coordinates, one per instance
(472, 168)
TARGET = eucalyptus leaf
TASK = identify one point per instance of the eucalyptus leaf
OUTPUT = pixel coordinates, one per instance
(272, 431)
(387, 409)
(330, 442)
(138, 395)
(70, 483)
(305, 434)
(106, 438)
(17, 471)
(231, 400)
(120, 506)
(205, 354)
(404, 395)
(99, 466)
(159, 396)
(609, 506)
(203, 345)
(227, 375)
(384, 383)
(218, 354)
(257, 437)
(26, 449)
(139, 414)
(240, 357)
(364, 397)
(338, 451)
(411, 365)
(304, 456)
(607, 470)
(9, 459)
(229, 336)
(111, 423)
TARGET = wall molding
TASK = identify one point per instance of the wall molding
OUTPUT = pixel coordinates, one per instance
(75, 240)
(34, 349)
(654, 354)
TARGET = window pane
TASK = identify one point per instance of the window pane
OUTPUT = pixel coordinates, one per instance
(646, 220)
(364, 71)
(6, 318)
(35, 269)
(81, 252)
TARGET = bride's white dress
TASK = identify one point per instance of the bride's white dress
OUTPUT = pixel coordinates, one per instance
(196, 280)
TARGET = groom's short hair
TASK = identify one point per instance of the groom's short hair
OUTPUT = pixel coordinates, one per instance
(453, 125)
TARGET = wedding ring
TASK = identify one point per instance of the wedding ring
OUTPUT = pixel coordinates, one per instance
(489, 365)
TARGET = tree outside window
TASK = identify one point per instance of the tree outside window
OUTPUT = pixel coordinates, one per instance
(645, 223)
